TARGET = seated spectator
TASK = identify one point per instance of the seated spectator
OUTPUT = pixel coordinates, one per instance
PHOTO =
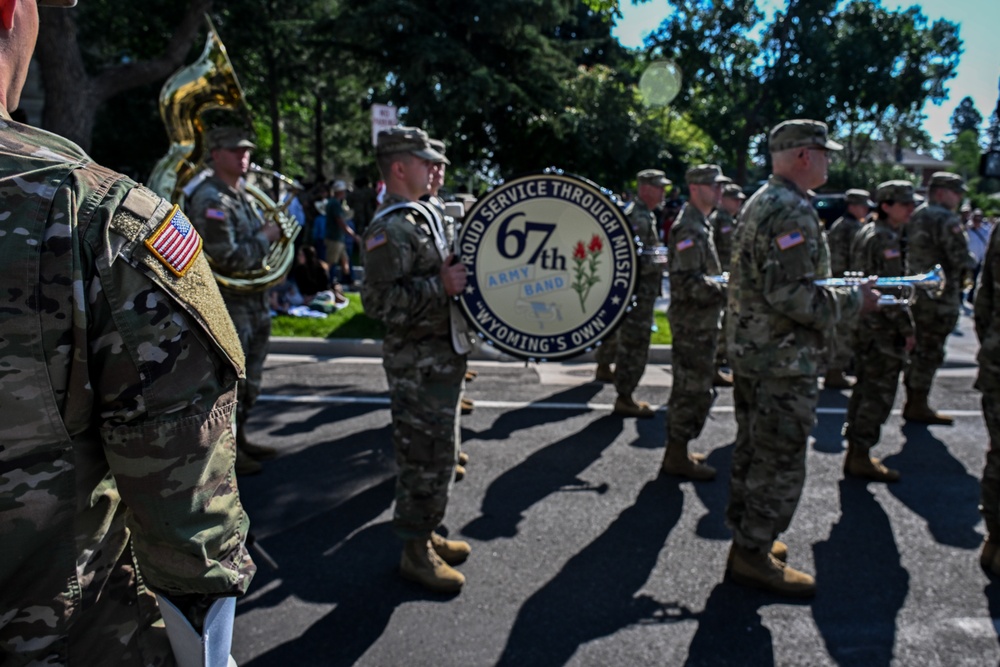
(283, 297)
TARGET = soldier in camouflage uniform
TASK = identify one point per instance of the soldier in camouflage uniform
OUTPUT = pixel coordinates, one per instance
(778, 318)
(935, 235)
(839, 238)
(628, 348)
(723, 221)
(237, 240)
(408, 286)
(695, 312)
(882, 338)
(987, 309)
(118, 370)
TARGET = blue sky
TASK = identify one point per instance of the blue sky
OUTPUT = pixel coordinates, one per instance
(978, 69)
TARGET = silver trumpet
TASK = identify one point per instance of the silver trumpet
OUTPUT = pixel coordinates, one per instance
(931, 282)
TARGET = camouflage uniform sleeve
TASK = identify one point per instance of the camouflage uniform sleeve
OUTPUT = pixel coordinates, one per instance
(164, 361)
(392, 292)
(839, 241)
(987, 306)
(234, 243)
(691, 257)
(956, 245)
(790, 271)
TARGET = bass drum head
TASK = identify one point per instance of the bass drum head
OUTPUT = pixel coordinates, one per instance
(552, 266)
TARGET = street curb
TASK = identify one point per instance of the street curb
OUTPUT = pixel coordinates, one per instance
(370, 347)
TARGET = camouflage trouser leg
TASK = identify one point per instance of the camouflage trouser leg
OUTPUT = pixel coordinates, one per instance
(743, 389)
(693, 361)
(767, 480)
(989, 504)
(933, 322)
(873, 395)
(424, 436)
(252, 319)
(841, 352)
(608, 351)
(633, 337)
(721, 358)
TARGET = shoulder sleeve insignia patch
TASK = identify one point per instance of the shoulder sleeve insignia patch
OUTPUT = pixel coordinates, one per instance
(790, 240)
(685, 244)
(215, 214)
(726, 229)
(375, 241)
(175, 242)
(890, 253)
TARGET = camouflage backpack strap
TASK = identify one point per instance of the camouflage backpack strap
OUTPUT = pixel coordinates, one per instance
(430, 215)
(154, 236)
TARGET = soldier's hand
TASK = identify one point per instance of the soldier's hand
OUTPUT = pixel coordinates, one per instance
(272, 231)
(910, 343)
(869, 296)
(453, 276)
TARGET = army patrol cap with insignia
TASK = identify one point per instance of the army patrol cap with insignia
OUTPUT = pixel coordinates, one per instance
(402, 139)
(228, 137)
(653, 177)
(705, 174)
(900, 192)
(859, 196)
(733, 191)
(438, 146)
(800, 133)
(946, 179)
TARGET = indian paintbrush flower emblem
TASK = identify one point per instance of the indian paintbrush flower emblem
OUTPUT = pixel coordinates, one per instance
(586, 258)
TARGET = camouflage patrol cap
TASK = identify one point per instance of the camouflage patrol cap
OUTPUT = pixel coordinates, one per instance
(402, 139)
(947, 179)
(859, 196)
(733, 191)
(56, 3)
(800, 133)
(653, 177)
(900, 192)
(439, 146)
(228, 136)
(705, 174)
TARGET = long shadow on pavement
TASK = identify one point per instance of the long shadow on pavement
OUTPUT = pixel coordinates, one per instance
(937, 487)
(730, 631)
(861, 588)
(510, 421)
(329, 563)
(714, 495)
(547, 471)
(594, 595)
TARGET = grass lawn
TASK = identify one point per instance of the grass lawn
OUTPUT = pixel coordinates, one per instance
(351, 322)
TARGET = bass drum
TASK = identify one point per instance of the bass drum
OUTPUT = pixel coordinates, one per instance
(552, 266)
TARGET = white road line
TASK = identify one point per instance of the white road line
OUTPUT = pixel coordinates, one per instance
(538, 405)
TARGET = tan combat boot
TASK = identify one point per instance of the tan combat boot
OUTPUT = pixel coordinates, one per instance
(858, 463)
(626, 406)
(452, 552)
(917, 410)
(463, 459)
(836, 379)
(989, 557)
(778, 549)
(763, 570)
(677, 461)
(421, 564)
(459, 472)
(467, 406)
(471, 375)
(604, 373)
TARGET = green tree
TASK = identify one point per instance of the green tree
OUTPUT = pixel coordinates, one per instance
(966, 118)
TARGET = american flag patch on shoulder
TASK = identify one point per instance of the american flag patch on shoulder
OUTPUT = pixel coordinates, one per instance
(375, 241)
(790, 240)
(890, 253)
(685, 244)
(176, 242)
(215, 214)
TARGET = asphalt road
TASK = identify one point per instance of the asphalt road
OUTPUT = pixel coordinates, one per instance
(583, 555)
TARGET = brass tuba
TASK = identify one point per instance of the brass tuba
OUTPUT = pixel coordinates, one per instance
(210, 83)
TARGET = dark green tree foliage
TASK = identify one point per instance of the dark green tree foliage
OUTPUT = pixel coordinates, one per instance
(864, 69)
(966, 117)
